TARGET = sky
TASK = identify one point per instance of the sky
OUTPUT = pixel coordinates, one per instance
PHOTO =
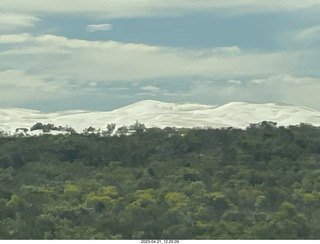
(104, 54)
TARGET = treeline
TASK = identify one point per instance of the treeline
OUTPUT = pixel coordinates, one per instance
(258, 183)
(109, 130)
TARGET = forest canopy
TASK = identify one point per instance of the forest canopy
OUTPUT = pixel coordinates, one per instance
(258, 183)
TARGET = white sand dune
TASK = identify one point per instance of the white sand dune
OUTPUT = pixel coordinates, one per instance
(159, 114)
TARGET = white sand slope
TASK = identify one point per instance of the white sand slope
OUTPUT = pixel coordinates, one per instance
(159, 114)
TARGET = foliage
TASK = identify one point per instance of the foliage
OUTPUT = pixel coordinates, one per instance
(140, 183)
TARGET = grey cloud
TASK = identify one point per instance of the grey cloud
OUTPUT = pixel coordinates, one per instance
(144, 8)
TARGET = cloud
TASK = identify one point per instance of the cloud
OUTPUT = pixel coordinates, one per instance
(82, 60)
(15, 38)
(20, 79)
(147, 8)
(238, 82)
(285, 79)
(150, 88)
(17, 87)
(277, 88)
(306, 38)
(12, 21)
(93, 83)
(99, 27)
(55, 65)
(308, 33)
(306, 94)
(144, 94)
(292, 89)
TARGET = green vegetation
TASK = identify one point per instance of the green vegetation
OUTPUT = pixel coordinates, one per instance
(258, 183)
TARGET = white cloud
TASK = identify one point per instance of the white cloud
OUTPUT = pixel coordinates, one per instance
(286, 79)
(282, 88)
(17, 87)
(144, 94)
(83, 60)
(308, 33)
(99, 27)
(257, 81)
(16, 38)
(150, 88)
(140, 8)
(11, 21)
(93, 83)
(118, 89)
(48, 63)
(20, 79)
(238, 82)
(296, 90)
(306, 94)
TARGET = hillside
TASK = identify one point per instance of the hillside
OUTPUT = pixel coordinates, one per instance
(159, 114)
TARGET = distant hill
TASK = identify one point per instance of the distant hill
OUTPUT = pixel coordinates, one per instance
(159, 114)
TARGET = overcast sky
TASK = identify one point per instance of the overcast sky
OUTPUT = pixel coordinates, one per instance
(104, 54)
